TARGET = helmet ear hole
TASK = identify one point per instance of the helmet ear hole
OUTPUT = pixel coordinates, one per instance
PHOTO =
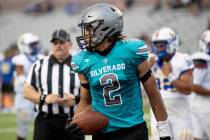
(104, 29)
(112, 9)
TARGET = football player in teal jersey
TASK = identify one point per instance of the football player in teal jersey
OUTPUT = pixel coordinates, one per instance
(110, 70)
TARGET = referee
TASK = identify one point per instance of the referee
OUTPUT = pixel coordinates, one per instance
(54, 88)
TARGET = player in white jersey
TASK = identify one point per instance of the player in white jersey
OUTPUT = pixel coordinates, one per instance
(173, 71)
(200, 102)
(29, 47)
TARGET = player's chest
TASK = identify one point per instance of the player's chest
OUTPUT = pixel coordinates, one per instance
(104, 70)
(163, 81)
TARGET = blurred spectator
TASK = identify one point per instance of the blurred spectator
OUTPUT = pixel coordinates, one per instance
(129, 3)
(0, 8)
(72, 7)
(168, 4)
(147, 40)
(1, 100)
(195, 6)
(6, 70)
(45, 6)
(208, 24)
(126, 4)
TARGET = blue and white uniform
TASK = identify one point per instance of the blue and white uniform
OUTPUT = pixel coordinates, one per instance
(24, 108)
(200, 105)
(176, 103)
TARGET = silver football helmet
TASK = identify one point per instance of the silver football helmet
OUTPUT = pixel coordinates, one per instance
(99, 22)
(204, 42)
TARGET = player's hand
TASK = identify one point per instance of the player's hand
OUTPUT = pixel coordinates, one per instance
(52, 98)
(73, 129)
(166, 68)
(67, 100)
(152, 60)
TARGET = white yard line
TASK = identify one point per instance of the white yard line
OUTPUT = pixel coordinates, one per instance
(12, 130)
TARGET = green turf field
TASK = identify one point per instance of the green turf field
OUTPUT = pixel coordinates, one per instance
(8, 127)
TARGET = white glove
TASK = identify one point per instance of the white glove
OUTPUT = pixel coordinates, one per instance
(164, 129)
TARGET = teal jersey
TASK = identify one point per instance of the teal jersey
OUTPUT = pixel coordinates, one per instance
(114, 82)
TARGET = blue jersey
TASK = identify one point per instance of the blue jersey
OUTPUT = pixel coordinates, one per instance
(114, 82)
(6, 71)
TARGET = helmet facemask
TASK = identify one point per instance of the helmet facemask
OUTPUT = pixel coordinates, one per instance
(34, 48)
(165, 42)
(89, 39)
(166, 50)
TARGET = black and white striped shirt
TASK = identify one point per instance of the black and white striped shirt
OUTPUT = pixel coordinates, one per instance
(48, 76)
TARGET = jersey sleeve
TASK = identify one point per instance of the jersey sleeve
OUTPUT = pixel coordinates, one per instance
(18, 60)
(187, 64)
(199, 75)
(181, 64)
(140, 51)
(76, 62)
(32, 76)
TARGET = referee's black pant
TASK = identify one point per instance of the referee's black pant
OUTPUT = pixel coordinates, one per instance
(138, 132)
(52, 127)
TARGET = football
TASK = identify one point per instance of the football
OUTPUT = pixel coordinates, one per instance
(90, 122)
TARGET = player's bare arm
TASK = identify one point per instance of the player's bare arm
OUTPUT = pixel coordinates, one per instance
(153, 93)
(184, 83)
(200, 90)
(158, 107)
(85, 98)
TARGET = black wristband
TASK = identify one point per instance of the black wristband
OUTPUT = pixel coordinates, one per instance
(42, 98)
(85, 85)
(165, 138)
(77, 99)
